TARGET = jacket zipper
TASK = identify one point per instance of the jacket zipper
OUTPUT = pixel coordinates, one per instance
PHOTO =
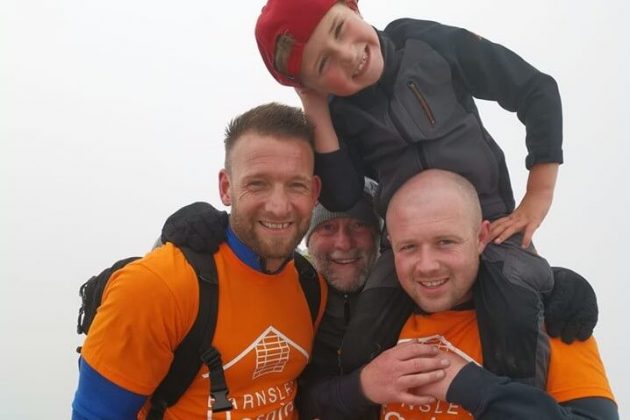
(423, 103)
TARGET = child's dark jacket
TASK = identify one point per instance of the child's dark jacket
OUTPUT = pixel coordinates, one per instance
(421, 115)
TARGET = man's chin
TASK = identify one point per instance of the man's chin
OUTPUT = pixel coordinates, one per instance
(347, 284)
(276, 249)
(432, 306)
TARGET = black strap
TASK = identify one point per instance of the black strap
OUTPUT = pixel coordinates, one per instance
(218, 386)
(187, 358)
(310, 283)
(197, 347)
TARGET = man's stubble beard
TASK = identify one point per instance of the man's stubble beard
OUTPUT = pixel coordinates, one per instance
(355, 284)
(245, 230)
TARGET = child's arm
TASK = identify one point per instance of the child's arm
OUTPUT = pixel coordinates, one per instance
(316, 109)
(342, 181)
(490, 71)
(533, 208)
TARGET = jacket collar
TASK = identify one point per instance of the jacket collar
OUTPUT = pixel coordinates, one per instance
(247, 255)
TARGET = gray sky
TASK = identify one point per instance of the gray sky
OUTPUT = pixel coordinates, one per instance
(112, 116)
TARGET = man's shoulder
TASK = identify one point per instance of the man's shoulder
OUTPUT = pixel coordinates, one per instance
(162, 274)
(576, 370)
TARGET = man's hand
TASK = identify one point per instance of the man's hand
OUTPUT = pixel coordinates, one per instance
(198, 226)
(571, 308)
(438, 389)
(394, 374)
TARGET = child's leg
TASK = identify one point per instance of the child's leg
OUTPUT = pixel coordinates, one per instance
(510, 313)
(380, 313)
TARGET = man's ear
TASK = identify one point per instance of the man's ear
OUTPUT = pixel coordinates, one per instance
(224, 187)
(484, 235)
(316, 185)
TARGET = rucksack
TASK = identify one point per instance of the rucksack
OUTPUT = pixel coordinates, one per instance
(196, 347)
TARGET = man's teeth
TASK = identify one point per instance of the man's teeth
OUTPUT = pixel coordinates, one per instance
(270, 225)
(434, 283)
(344, 260)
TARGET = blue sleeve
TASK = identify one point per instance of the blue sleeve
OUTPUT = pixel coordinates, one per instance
(99, 398)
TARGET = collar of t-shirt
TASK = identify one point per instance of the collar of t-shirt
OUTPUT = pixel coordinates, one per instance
(246, 254)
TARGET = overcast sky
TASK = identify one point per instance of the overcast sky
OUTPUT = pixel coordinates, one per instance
(112, 116)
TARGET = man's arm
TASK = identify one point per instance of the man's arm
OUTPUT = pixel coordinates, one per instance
(391, 376)
(488, 396)
(147, 304)
(333, 398)
(99, 398)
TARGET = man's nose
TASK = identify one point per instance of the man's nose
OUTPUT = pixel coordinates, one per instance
(278, 202)
(426, 262)
(343, 240)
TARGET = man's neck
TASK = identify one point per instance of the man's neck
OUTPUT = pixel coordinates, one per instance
(249, 257)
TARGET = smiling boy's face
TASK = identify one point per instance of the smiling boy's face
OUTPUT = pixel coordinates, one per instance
(343, 55)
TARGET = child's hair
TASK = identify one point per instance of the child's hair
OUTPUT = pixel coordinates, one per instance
(282, 29)
(284, 45)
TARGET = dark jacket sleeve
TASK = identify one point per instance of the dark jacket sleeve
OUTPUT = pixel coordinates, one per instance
(492, 72)
(488, 396)
(334, 398)
(342, 181)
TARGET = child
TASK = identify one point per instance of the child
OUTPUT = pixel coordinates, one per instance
(388, 104)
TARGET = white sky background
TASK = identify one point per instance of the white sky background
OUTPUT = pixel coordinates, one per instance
(112, 116)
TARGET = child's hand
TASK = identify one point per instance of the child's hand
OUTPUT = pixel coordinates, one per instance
(315, 106)
(533, 208)
(312, 101)
(526, 218)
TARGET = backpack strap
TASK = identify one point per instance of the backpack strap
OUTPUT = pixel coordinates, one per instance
(91, 293)
(196, 347)
(309, 282)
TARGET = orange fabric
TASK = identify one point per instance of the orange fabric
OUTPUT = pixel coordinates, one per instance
(575, 371)
(264, 333)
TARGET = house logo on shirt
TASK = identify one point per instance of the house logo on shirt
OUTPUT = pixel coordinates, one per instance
(268, 353)
(441, 343)
(272, 349)
(272, 352)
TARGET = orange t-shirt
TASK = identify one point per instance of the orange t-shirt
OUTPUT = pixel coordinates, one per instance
(264, 333)
(575, 371)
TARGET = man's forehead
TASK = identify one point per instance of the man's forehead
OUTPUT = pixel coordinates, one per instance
(260, 149)
(427, 226)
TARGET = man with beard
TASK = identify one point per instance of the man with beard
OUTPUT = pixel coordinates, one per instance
(343, 247)
(149, 305)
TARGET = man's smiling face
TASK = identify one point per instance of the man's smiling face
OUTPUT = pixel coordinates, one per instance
(343, 250)
(272, 191)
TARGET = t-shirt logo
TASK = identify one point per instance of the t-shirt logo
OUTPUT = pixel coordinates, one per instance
(441, 343)
(272, 352)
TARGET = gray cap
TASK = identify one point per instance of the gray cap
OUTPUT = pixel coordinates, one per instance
(363, 210)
